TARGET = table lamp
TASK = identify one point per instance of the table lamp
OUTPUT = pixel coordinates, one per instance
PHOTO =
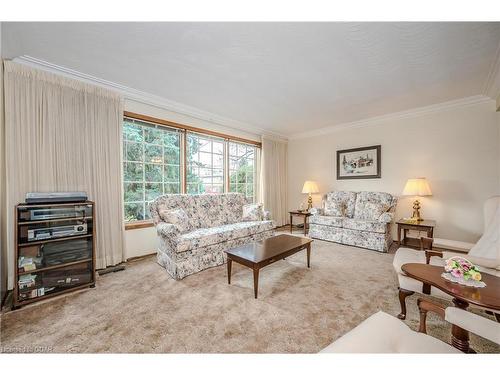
(310, 187)
(417, 187)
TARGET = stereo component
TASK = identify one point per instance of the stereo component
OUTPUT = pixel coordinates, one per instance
(56, 197)
(38, 234)
(57, 213)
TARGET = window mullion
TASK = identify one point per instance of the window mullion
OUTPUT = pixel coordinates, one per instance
(226, 166)
(143, 174)
(183, 161)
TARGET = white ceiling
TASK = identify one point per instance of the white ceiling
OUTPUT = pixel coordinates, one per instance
(284, 77)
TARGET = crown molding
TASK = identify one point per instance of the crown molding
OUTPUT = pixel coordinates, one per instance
(491, 86)
(147, 98)
(415, 112)
(492, 81)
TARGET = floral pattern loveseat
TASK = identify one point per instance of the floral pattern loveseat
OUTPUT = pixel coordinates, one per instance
(360, 219)
(210, 224)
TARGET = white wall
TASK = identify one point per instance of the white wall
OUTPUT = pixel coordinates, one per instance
(457, 149)
(139, 242)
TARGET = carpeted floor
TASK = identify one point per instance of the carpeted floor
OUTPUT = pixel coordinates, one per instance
(299, 310)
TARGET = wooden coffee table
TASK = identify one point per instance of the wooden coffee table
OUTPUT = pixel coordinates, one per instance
(487, 297)
(262, 253)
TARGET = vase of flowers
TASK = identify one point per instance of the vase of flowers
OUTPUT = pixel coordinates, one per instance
(462, 271)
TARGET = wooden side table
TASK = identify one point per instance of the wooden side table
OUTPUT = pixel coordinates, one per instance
(304, 214)
(487, 297)
(426, 226)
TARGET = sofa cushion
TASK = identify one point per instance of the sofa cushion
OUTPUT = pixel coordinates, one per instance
(252, 212)
(386, 217)
(371, 211)
(172, 202)
(210, 211)
(233, 207)
(204, 210)
(365, 225)
(326, 220)
(374, 197)
(177, 217)
(347, 198)
(335, 208)
(383, 333)
(210, 236)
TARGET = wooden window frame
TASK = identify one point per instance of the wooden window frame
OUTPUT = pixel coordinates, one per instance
(183, 130)
(171, 124)
(229, 170)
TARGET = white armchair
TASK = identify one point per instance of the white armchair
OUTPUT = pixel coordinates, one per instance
(382, 333)
(476, 324)
(485, 254)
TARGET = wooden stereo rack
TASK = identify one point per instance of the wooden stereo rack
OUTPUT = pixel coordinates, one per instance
(47, 263)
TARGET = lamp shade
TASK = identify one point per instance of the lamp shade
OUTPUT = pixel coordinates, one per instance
(310, 187)
(417, 187)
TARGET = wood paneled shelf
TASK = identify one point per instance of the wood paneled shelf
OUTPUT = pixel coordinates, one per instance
(54, 250)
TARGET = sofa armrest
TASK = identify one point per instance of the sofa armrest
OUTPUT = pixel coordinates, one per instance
(166, 230)
(476, 324)
(266, 215)
(316, 211)
(386, 217)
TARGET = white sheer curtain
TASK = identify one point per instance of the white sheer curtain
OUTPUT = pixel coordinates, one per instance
(274, 179)
(65, 135)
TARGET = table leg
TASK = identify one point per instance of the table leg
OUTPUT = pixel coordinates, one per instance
(399, 235)
(305, 225)
(308, 249)
(291, 216)
(426, 288)
(403, 293)
(460, 336)
(229, 264)
(423, 318)
(255, 281)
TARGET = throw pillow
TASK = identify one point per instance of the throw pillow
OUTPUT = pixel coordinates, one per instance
(252, 212)
(335, 208)
(371, 211)
(177, 217)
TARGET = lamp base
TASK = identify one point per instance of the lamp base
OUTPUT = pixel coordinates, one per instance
(416, 211)
(309, 202)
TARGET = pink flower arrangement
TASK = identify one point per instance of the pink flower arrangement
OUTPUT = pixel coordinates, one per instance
(462, 268)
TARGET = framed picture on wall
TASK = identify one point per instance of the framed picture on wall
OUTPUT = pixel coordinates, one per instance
(362, 162)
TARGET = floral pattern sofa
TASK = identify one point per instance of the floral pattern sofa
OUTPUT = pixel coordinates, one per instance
(208, 225)
(360, 219)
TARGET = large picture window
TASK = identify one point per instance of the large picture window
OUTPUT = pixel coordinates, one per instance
(160, 157)
(242, 169)
(205, 164)
(151, 166)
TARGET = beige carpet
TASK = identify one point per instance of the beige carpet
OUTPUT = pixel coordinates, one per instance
(299, 310)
